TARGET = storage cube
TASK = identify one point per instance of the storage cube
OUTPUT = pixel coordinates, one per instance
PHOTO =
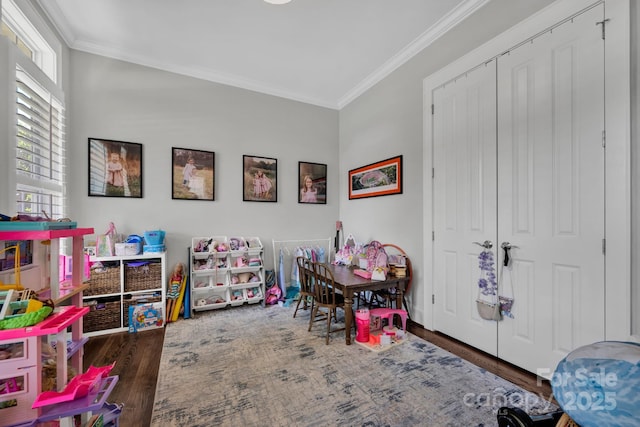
(237, 297)
(237, 244)
(254, 245)
(142, 275)
(102, 315)
(209, 298)
(104, 280)
(253, 294)
(136, 300)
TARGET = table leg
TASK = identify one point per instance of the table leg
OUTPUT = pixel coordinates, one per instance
(399, 300)
(399, 296)
(348, 316)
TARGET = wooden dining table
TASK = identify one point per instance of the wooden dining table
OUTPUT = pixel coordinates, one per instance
(349, 283)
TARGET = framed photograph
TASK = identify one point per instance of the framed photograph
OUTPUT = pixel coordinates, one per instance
(192, 174)
(115, 168)
(312, 183)
(260, 176)
(377, 179)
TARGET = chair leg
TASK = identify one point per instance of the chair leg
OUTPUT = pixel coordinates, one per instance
(314, 313)
(329, 316)
(297, 305)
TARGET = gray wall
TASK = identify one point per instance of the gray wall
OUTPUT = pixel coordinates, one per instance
(635, 162)
(387, 120)
(116, 100)
(111, 99)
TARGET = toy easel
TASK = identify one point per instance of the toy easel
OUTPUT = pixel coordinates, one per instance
(16, 270)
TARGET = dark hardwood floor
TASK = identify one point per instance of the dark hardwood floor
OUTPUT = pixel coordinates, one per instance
(138, 360)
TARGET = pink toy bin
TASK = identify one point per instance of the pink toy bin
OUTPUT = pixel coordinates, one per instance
(362, 325)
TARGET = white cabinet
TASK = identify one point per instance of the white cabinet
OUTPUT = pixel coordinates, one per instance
(226, 271)
(119, 282)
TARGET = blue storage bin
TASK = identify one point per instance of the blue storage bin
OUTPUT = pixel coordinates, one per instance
(154, 237)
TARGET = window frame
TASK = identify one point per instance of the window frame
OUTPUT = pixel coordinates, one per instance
(31, 28)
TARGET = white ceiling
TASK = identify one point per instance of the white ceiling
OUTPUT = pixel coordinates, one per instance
(322, 52)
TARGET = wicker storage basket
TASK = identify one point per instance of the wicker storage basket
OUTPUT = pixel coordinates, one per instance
(104, 281)
(142, 277)
(132, 302)
(102, 316)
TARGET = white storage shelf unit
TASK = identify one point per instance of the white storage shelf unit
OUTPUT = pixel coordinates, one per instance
(122, 282)
(226, 272)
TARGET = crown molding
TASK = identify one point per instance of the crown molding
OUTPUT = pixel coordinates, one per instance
(199, 73)
(58, 20)
(453, 18)
(446, 23)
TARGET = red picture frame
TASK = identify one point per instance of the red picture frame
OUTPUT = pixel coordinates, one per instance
(382, 178)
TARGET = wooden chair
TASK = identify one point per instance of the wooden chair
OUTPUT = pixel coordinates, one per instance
(327, 300)
(305, 271)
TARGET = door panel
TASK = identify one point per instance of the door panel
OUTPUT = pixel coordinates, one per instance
(464, 201)
(540, 187)
(551, 191)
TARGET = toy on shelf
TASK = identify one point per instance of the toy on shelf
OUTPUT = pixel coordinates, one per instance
(16, 270)
(202, 245)
(242, 278)
(175, 281)
(145, 316)
(16, 303)
(175, 293)
(80, 386)
(154, 241)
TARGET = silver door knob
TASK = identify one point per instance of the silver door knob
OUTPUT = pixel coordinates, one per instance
(507, 245)
(487, 244)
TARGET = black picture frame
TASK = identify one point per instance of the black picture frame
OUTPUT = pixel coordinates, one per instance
(199, 183)
(259, 179)
(313, 175)
(115, 168)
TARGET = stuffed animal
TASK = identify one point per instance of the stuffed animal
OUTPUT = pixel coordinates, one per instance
(244, 277)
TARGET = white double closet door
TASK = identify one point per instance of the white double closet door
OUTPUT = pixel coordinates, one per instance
(519, 158)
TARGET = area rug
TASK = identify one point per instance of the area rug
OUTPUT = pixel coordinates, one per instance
(254, 366)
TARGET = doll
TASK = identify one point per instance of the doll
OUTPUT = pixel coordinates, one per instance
(175, 282)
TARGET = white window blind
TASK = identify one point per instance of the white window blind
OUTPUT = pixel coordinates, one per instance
(40, 151)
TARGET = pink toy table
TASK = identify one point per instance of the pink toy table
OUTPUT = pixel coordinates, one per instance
(388, 313)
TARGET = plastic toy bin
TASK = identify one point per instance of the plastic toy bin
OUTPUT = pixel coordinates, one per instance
(154, 237)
